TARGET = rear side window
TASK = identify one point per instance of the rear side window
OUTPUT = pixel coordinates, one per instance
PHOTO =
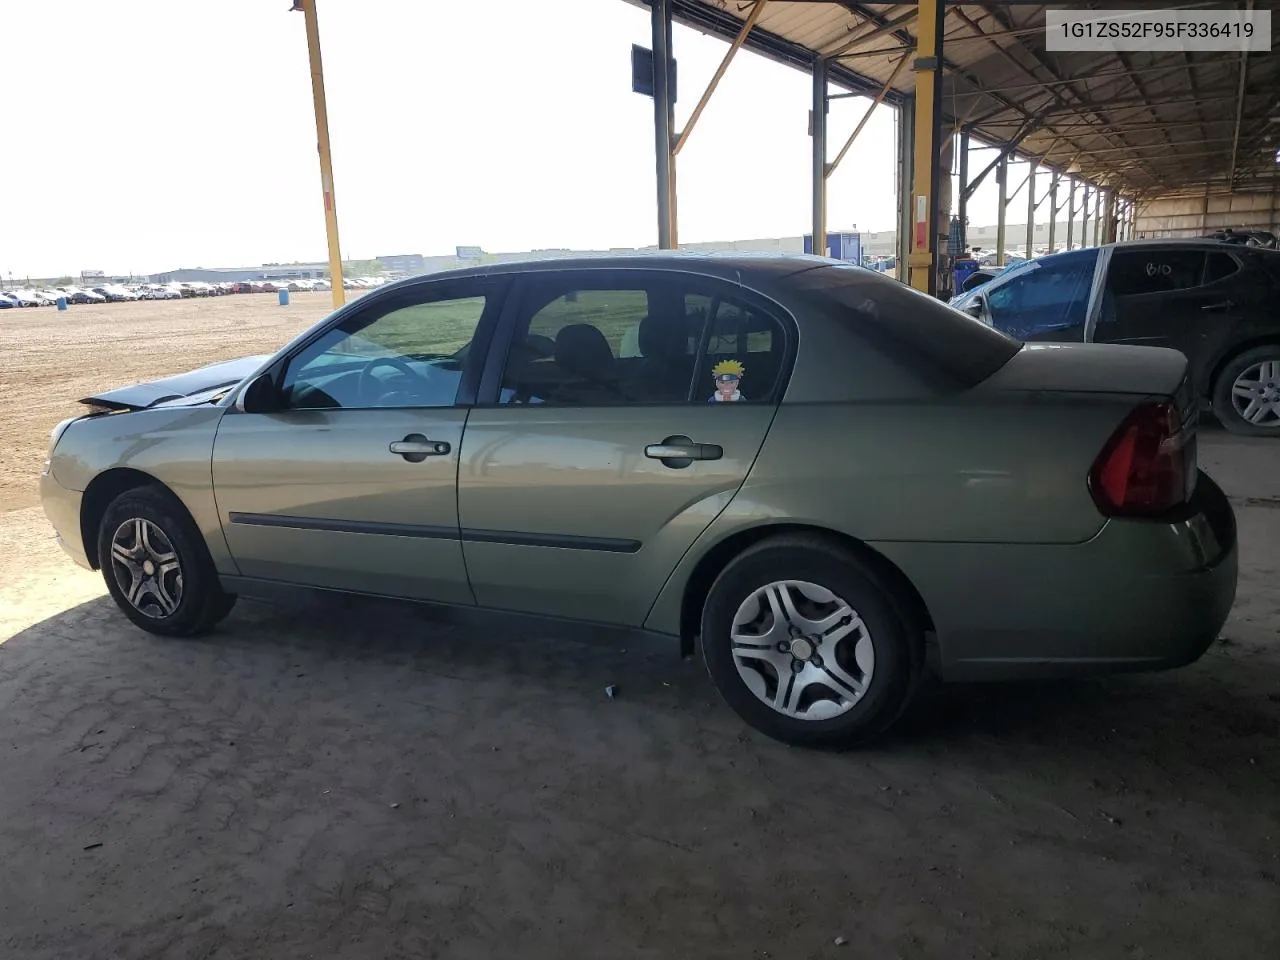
(1155, 270)
(1219, 267)
(911, 328)
(610, 338)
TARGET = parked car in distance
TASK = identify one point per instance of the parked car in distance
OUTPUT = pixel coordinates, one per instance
(813, 468)
(76, 295)
(7, 302)
(1249, 238)
(27, 297)
(1213, 302)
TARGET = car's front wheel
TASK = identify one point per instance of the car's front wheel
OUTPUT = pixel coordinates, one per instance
(1246, 395)
(808, 645)
(156, 565)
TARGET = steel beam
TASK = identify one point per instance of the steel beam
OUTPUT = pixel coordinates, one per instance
(819, 169)
(660, 25)
(1084, 218)
(1071, 212)
(312, 24)
(737, 43)
(923, 264)
(904, 171)
(1002, 179)
(962, 204)
(1053, 211)
(1244, 75)
(902, 20)
(1031, 208)
(888, 85)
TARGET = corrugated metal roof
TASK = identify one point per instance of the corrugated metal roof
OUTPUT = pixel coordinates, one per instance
(1148, 122)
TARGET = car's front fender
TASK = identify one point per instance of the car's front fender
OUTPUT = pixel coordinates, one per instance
(174, 445)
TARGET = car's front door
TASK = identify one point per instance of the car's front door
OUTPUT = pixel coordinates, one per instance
(1046, 300)
(596, 465)
(350, 482)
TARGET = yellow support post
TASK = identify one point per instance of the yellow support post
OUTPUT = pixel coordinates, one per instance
(308, 8)
(922, 264)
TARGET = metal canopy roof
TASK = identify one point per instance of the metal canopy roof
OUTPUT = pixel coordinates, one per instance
(1150, 122)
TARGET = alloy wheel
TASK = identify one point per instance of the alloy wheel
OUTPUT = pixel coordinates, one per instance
(147, 568)
(802, 650)
(1255, 394)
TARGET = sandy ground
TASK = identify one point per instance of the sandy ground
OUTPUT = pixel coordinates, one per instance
(350, 779)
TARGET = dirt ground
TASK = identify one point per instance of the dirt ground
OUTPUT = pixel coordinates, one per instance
(351, 779)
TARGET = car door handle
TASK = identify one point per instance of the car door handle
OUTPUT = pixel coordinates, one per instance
(680, 451)
(415, 448)
(1220, 305)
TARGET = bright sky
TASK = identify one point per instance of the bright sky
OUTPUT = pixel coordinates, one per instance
(146, 135)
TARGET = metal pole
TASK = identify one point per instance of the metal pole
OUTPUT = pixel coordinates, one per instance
(1071, 211)
(1097, 216)
(1031, 209)
(923, 263)
(308, 8)
(660, 18)
(1002, 179)
(819, 172)
(905, 170)
(1053, 212)
(962, 207)
(1084, 218)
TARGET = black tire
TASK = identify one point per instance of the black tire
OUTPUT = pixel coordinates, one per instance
(201, 601)
(1225, 409)
(897, 640)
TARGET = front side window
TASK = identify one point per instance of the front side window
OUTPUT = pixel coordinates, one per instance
(403, 355)
(640, 338)
(1048, 296)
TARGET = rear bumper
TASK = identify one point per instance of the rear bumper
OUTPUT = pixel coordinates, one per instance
(1141, 595)
(62, 507)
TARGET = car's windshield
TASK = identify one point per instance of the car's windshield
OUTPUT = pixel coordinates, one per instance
(911, 326)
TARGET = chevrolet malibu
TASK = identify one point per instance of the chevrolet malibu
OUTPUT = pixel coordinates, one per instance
(833, 482)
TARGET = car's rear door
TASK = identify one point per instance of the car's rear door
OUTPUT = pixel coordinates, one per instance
(352, 483)
(590, 472)
(1192, 299)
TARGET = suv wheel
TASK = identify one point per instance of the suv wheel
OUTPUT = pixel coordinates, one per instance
(1246, 395)
(807, 645)
(156, 565)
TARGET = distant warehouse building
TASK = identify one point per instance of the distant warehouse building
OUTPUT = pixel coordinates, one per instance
(404, 264)
(268, 271)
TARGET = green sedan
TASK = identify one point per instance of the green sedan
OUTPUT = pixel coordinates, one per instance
(830, 482)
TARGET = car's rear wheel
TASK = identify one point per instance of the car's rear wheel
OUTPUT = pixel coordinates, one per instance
(1246, 395)
(808, 645)
(156, 565)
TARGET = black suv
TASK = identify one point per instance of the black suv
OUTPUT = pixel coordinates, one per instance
(1218, 303)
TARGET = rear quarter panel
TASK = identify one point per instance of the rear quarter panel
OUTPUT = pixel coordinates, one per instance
(175, 446)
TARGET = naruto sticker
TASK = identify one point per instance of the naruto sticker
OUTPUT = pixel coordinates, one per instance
(727, 375)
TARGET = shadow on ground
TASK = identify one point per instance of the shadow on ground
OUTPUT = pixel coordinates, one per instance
(359, 779)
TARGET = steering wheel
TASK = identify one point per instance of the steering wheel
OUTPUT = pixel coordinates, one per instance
(369, 388)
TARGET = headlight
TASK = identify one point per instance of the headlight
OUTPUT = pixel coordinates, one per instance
(54, 436)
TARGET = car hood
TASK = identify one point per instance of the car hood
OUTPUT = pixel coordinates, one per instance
(197, 386)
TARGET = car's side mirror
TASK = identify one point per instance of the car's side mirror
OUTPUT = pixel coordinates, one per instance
(260, 396)
(974, 308)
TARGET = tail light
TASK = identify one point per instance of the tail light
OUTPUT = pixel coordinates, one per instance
(1148, 467)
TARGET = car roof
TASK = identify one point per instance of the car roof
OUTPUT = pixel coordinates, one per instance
(729, 265)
